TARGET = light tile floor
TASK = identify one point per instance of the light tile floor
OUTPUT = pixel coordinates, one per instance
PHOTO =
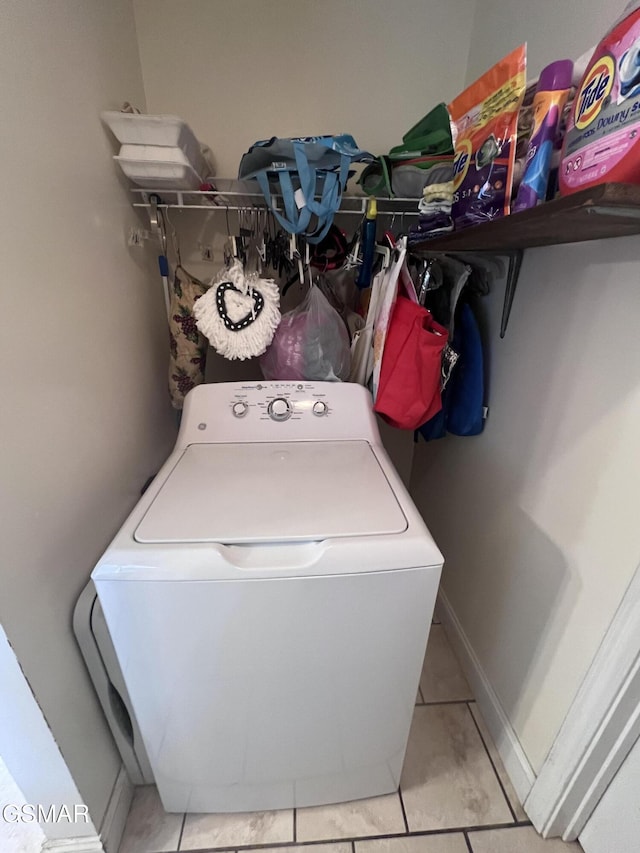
(455, 796)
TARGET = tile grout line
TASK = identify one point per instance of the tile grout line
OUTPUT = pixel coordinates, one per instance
(468, 841)
(449, 702)
(420, 694)
(295, 825)
(421, 833)
(353, 847)
(184, 820)
(404, 813)
(486, 749)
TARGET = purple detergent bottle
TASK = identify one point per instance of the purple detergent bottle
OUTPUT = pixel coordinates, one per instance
(551, 95)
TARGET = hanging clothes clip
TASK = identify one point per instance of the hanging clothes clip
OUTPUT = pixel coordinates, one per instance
(294, 255)
(353, 258)
(307, 264)
(261, 243)
(230, 246)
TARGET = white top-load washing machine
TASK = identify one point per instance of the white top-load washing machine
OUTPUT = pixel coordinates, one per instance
(269, 601)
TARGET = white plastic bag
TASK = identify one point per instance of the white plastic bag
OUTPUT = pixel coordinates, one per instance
(310, 343)
(362, 340)
(384, 309)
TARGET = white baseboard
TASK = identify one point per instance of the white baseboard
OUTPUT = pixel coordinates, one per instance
(112, 827)
(506, 741)
(117, 812)
(82, 844)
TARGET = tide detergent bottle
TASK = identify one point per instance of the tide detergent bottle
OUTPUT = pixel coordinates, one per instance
(602, 142)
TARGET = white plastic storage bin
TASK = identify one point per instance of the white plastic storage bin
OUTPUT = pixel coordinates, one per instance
(156, 132)
(166, 154)
(160, 174)
(151, 130)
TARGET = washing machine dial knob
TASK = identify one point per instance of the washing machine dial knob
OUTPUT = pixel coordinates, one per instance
(239, 409)
(279, 409)
(320, 408)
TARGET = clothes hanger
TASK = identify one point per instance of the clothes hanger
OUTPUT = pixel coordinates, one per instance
(389, 236)
(252, 233)
(385, 253)
(352, 261)
(491, 262)
(175, 243)
(432, 278)
(261, 243)
(231, 245)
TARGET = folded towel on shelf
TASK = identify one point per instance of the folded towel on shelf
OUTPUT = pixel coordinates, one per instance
(431, 226)
(435, 212)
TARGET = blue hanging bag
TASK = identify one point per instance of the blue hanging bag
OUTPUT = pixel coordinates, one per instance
(465, 413)
(310, 173)
(463, 410)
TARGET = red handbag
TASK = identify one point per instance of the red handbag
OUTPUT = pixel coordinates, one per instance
(410, 374)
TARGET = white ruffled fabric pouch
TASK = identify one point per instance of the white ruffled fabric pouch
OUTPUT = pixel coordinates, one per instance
(239, 313)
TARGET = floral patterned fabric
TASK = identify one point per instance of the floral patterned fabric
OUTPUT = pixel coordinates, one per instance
(188, 348)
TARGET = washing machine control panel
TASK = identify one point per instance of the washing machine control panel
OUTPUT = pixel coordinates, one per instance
(280, 401)
(277, 411)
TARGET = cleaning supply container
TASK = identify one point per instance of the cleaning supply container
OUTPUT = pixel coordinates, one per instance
(551, 95)
(603, 134)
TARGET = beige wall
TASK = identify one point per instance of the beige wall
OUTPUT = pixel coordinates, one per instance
(84, 418)
(552, 29)
(538, 517)
(242, 70)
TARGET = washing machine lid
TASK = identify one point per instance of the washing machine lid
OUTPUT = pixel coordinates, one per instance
(273, 492)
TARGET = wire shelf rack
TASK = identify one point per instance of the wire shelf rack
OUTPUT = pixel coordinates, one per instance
(245, 195)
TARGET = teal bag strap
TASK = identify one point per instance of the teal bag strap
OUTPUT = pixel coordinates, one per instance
(318, 236)
(331, 198)
(295, 219)
(333, 182)
(332, 190)
(300, 218)
(293, 222)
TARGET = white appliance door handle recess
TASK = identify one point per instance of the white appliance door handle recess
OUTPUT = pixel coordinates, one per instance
(256, 558)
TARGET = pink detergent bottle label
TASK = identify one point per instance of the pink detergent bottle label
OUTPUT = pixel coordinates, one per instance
(604, 127)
